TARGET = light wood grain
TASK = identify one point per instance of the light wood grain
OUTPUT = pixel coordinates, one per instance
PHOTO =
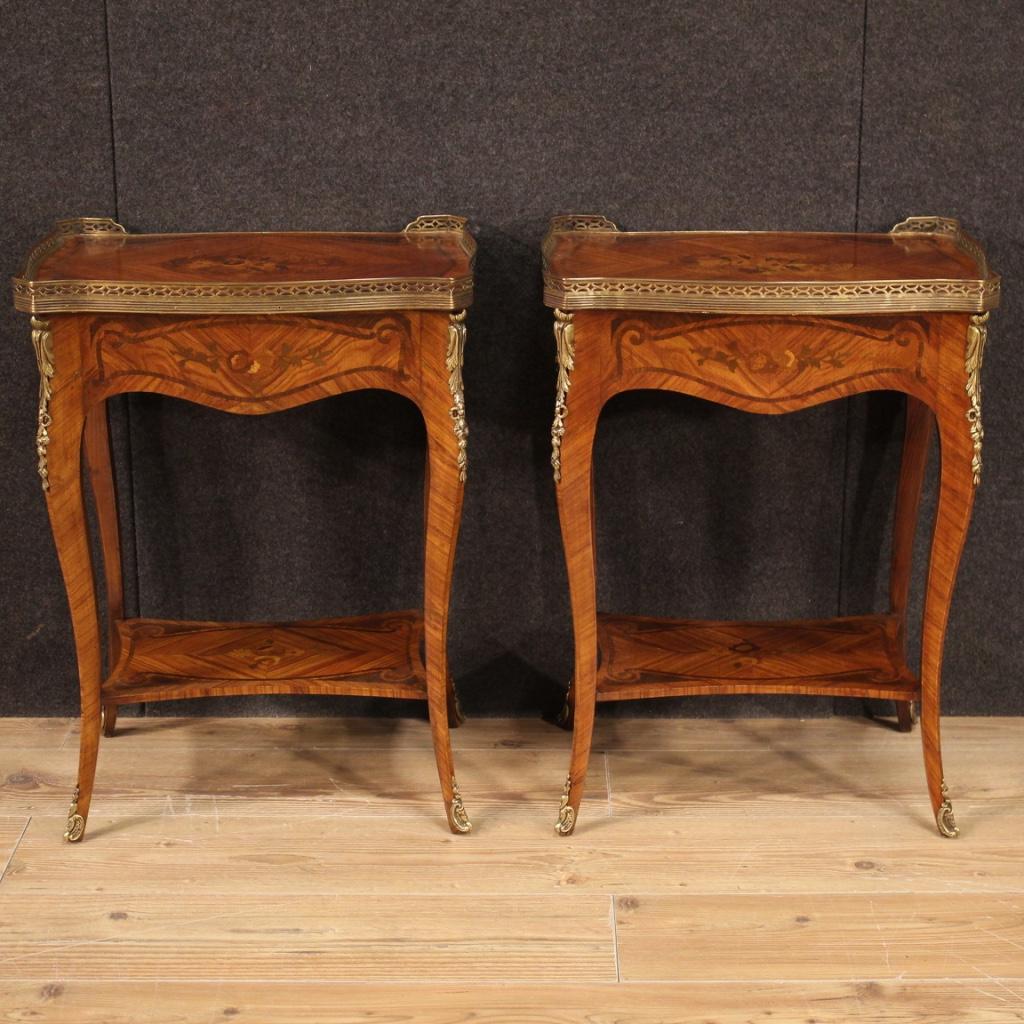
(784, 779)
(320, 854)
(408, 938)
(11, 831)
(975, 1001)
(618, 733)
(892, 937)
(34, 732)
(284, 781)
(288, 903)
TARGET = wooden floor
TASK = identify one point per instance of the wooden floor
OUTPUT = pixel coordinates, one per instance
(300, 870)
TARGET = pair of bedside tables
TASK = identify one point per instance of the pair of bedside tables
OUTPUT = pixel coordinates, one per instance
(254, 323)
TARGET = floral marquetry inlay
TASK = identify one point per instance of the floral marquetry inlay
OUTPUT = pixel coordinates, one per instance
(772, 359)
(245, 358)
(382, 648)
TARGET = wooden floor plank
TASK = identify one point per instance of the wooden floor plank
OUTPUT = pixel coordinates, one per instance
(11, 832)
(34, 732)
(133, 778)
(619, 733)
(785, 779)
(191, 937)
(972, 1001)
(650, 854)
(821, 937)
(301, 870)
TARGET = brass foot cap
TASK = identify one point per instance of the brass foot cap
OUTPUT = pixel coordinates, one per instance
(946, 822)
(458, 819)
(75, 828)
(566, 823)
(566, 812)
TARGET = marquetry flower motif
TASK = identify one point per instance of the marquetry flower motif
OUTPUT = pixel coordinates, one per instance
(227, 264)
(764, 266)
(761, 361)
(267, 654)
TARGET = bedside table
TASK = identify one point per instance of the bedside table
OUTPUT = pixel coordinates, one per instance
(247, 323)
(769, 323)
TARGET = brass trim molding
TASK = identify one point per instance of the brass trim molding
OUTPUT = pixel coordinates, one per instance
(944, 816)
(75, 827)
(945, 226)
(566, 815)
(435, 222)
(977, 335)
(582, 222)
(216, 297)
(784, 297)
(458, 819)
(90, 226)
(63, 296)
(818, 298)
(565, 350)
(62, 229)
(42, 342)
(440, 223)
(573, 222)
(453, 361)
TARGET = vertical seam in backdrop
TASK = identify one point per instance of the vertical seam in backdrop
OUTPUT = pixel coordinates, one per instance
(126, 399)
(841, 575)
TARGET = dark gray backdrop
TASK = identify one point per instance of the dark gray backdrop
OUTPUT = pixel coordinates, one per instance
(359, 115)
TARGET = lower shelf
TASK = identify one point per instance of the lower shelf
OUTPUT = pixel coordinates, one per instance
(369, 656)
(857, 656)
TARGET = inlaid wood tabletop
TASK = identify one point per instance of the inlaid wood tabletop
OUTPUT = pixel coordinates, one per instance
(923, 264)
(94, 264)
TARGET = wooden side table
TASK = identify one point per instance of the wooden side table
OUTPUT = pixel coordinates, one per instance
(247, 323)
(769, 323)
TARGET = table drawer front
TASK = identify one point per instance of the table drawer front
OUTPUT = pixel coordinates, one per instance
(252, 358)
(770, 359)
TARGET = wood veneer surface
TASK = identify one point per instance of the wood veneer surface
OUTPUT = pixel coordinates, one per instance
(257, 257)
(751, 256)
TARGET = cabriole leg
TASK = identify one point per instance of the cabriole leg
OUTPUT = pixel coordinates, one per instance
(99, 460)
(565, 716)
(444, 413)
(108, 719)
(916, 440)
(960, 435)
(455, 715)
(905, 715)
(577, 407)
(59, 448)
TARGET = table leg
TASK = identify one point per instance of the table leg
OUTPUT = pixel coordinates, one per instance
(59, 444)
(916, 440)
(446, 456)
(455, 715)
(567, 714)
(99, 460)
(572, 434)
(958, 415)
